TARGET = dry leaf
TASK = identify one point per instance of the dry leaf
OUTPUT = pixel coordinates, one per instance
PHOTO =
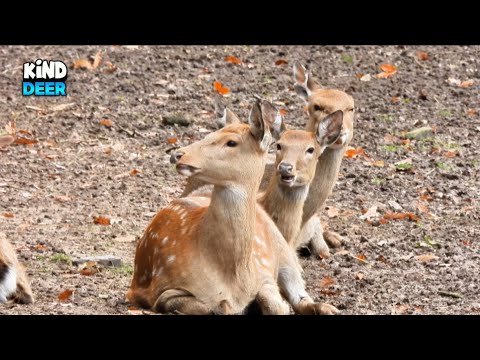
(62, 198)
(283, 112)
(332, 212)
(395, 99)
(65, 295)
(352, 152)
(466, 84)
(134, 172)
(370, 213)
(40, 247)
(172, 140)
(423, 56)
(426, 198)
(233, 60)
(471, 112)
(359, 76)
(89, 268)
(6, 140)
(23, 141)
(61, 107)
(451, 154)
(359, 276)
(82, 64)
(401, 216)
(378, 163)
(422, 208)
(97, 60)
(366, 77)
(25, 132)
(108, 123)
(111, 68)
(8, 215)
(361, 257)
(222, 90)
(388, 68)
(383, 221)
(328, 292)
(281, 62)
(405, 141)
(426, 258)
(326, 282)
(101, 221)
(107, 151)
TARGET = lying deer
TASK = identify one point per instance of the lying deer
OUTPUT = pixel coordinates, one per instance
(204, 255)
(321, 103)
(13, 279)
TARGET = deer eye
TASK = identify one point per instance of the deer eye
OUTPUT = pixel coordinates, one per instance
(310, 150)
(317, 108)
(279, 147)
(232, 143)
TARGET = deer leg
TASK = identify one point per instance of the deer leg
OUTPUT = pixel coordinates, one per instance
(270, 301)
(23, 294)
(332, 238)
(180, 301)
(293, 288)
(312, 234)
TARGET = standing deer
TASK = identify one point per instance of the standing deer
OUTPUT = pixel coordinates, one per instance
(321, 103)
(13, 279)
(204, 255)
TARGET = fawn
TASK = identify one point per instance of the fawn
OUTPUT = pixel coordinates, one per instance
(13, 279)
(203, 255)
(321, 103)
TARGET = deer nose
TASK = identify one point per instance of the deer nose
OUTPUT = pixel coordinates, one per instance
(176, 155)
(285, 168)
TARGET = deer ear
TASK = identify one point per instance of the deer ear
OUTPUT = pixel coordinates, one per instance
(273, 118)
(329, 129)
(259, 128)
(304, 82)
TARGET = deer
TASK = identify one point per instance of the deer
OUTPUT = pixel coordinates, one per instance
(218, 254)
(320, 104)
(14, 284)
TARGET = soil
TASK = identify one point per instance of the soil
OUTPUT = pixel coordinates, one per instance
(81, 169)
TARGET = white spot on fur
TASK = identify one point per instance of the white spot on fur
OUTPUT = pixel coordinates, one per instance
(257, 261)
(184, 230)
(171, 259)
(174, 242)
(165, 239)
(8, 285)
(260, 241)
(265, 262)
(158, 271)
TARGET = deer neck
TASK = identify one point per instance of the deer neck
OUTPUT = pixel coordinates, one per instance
(228, 227)
(326, 173)
(285, 207)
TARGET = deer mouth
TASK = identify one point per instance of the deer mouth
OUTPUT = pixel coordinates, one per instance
(187, 170)
(287, 179)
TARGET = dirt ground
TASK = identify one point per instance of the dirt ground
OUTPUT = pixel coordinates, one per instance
(81, 169)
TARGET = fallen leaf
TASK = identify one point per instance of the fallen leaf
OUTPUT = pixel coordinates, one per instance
(40, 247)
(82, 64)
(6, 140)
(405, 141)
(108, 123)
(451, 154)
(359, 276)
(134, 172)
(466, 84)
(281, 62)
(332, 212)
(426, 258)
(366, 77)
(328, 292)
(422, 208)
(383, 221)
(370, 213)
(388, 68)
(361, 257)
(382, 259)
(471, 112)
(423, 56)
(378, 163)
(97, 60)
(65, 295)
(401, 216)
(101, 221)
(62, 198)
(395, 99)
(326, 282)
(110, 67)
(426, 198)
(8, 215)
(25, 132)
(107, 151)
(222, 90)
(172, 140)
(283, 112)
(233, 60)
(359, 76)
(24, 141)
(89, 268)
(352, 152)
(61, 107)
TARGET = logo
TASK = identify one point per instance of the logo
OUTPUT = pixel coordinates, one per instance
(44, 78)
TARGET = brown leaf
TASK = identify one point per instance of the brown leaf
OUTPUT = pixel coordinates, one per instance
(65, 295)
(106, 122)
(101, 221)
(222, 90)
(281, 62)
(107, 151)
(24, 141)
(422, 208)
(471, 112)
(110, 68)
(383, 221)
(326, 282)
(352, 152)
(359, 276)
(233, 60)
(82, 64)
(466, 84)
(134, 172)
(89, 268)
(405, 141)
(401, 216)
(283, 112)
(40, 247)
(8, 215)
(332, 212)
(426, 198)
(378, 163)
(388, 68)
(361, 257)
(6, 140)
(25, 132)
(97, 60)
(172, 140)
(423, 56)
(395, 99)
(359, 76)
(62, 198)
(426, 258)
(328, 292)
(450, 154)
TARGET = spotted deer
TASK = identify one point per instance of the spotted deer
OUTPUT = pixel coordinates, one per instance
(14, 284)
(321, 103)
(217, 254)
